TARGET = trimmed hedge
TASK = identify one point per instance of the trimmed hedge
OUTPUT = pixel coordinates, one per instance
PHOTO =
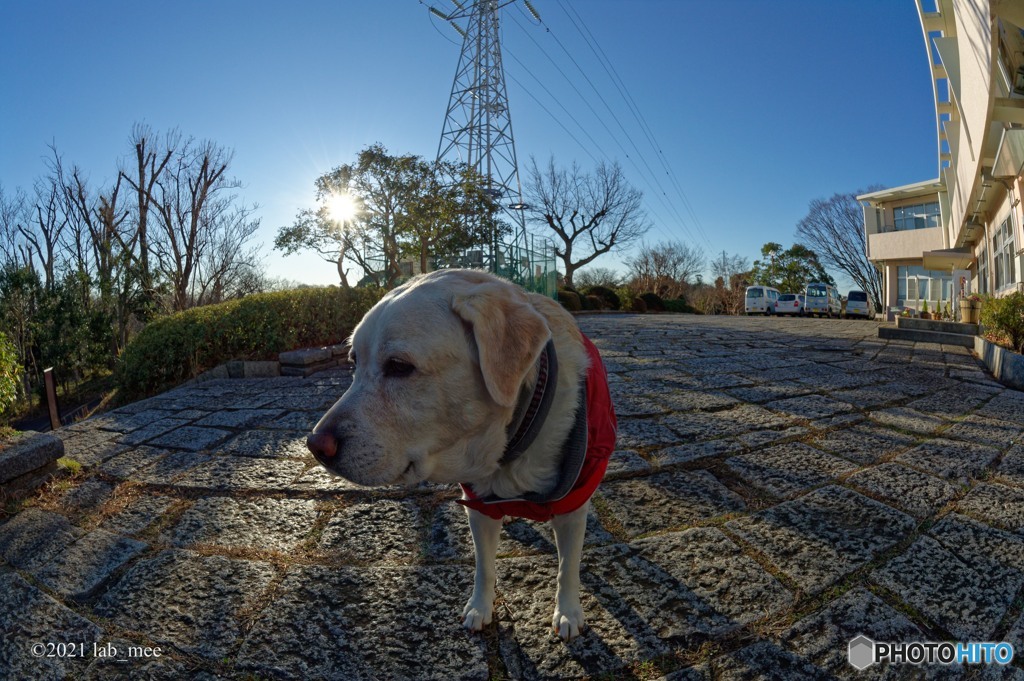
(180, 346)
(609, 298)
(679, 305)
(570, 300)
(654, 302)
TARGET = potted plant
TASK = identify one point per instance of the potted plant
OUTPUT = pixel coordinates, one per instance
(924, 310)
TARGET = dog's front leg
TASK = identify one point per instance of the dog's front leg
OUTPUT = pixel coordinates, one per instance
(480, 608)
(570, 529)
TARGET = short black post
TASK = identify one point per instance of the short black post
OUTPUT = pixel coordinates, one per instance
(51, 398)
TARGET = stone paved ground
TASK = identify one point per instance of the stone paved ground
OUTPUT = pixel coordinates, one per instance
(783, 485)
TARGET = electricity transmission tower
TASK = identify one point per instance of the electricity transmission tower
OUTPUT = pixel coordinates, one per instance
(478, 131)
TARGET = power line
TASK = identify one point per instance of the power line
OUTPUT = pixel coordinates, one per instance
(649, 177)
(620, 85)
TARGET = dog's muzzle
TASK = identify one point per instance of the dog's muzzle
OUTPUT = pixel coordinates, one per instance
(324, 447)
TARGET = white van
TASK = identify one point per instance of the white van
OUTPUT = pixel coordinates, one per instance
(858, 305)
(761, 300)
(822, 299)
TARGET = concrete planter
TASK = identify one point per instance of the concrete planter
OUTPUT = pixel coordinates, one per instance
(1006, 366)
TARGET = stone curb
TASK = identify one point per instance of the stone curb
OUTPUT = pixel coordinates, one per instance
(1006, 366)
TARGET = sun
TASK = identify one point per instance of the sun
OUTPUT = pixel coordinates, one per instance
(341, 207)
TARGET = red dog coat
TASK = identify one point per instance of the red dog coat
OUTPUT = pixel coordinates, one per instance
(585, 456)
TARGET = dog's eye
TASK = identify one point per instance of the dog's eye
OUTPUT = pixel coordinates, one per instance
(396, 368)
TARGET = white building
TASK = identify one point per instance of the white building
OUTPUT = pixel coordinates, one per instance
(963, 230)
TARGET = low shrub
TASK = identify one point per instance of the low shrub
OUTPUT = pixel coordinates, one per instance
(638, 305)
(593, 303)
(570, 300)
(609, 298)
(1005, 317)
(654, 302)
(180, 346)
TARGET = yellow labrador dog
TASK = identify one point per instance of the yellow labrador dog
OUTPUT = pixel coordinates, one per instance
(463, 377)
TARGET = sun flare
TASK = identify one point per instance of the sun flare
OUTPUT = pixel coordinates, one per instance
(341, 207)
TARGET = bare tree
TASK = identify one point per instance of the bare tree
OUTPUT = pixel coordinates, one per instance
(12, 214)
(666, 268)
(227, 268)
(201, 233)
(725, 266)
(45, 228)
(597, 276)
(834, 229)
(150, 161)
(590, 215)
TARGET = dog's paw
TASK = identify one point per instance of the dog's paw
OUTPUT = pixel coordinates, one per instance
(568, 622)
(477, 614)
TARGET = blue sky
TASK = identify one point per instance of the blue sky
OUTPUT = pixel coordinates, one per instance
(758, 107)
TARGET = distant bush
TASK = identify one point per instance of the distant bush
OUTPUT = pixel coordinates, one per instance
(570, 300)
(175, 348)
(593, 303)
(1005, 317)
(638, 305)
(679, 305)
(654, 302)
(609, 298)
(10, 374)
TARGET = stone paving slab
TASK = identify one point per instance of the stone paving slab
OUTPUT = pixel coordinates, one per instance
(34, 537)
(191, 438)
(81, 569)
(197, 604)
(906, 419)
(950, 459)
(618, 636)
(268, 443)
(864, 444)
(668, 500)
(785, 470)
(823, 637)
(30, 617)
(241, 473)
(137, 515)
(384, 530)
(365, 624)
(780, 486)
(824, 535)
(266, 524)
(919, 494)
(927, 575)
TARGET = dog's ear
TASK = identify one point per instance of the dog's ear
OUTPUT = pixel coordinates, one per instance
(510, 334)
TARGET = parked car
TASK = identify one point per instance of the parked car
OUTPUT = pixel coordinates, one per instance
(791, 303)
(822, 299)
(858, 305)
(761, 300)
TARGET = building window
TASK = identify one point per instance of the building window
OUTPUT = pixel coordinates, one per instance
(918, 216)
(916, 283)
(983, 271)
(1002, 256)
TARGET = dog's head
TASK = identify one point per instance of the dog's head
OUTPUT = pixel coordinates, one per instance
(439, 363)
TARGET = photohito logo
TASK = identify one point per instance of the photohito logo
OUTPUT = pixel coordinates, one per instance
(863, 652)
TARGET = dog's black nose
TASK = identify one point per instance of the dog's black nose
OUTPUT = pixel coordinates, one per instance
(323, 445)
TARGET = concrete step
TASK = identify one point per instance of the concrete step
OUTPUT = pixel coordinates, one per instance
(936, 325)
(925, 336)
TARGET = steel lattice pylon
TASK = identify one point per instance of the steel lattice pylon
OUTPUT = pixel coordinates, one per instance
(478, 131)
